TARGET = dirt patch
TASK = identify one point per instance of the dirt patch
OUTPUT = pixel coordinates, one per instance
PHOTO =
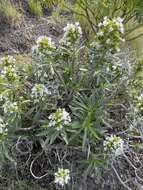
(21, 39)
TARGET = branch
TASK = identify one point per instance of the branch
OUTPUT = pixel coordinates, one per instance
(121, 181)
(132, 29)
(25, 129)
(31, 166)
(134, 38)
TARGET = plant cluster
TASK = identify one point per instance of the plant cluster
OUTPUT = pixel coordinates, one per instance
(57, 111)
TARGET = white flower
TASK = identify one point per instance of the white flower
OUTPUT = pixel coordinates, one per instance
(58, 119)
(105, 18)
(65, 117)
(100, 24)
(114, 145)
(45, 39)
(39, 92)
(100, 33)
(105, 21)
(10, 107)
(107, 26)
(73, 33)
(43, 45)
(7, 60)
(9, 72)
(122, 29)
(52, 123)
(141, 96)
(62, 176)
(73, 28)
(120, 20)
(108, 41)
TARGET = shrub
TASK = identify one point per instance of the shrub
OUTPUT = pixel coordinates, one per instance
(57, 112)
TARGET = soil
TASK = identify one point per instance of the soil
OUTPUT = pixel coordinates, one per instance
(20, 39)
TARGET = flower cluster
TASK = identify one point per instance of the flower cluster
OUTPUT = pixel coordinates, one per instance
(39, 92)
(8, 69)
(44, 45)
(114, 145)
(5, 95)
(72, 34)
(60, 118)
(3, 127)
(9, 73)
(110, 33)
(10, 108)
(62, 176)
(7, 60)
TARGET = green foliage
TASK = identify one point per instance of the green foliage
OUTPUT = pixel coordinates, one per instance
(88, 112)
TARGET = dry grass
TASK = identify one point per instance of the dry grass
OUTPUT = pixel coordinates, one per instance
(9, 14)
(35, 7)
